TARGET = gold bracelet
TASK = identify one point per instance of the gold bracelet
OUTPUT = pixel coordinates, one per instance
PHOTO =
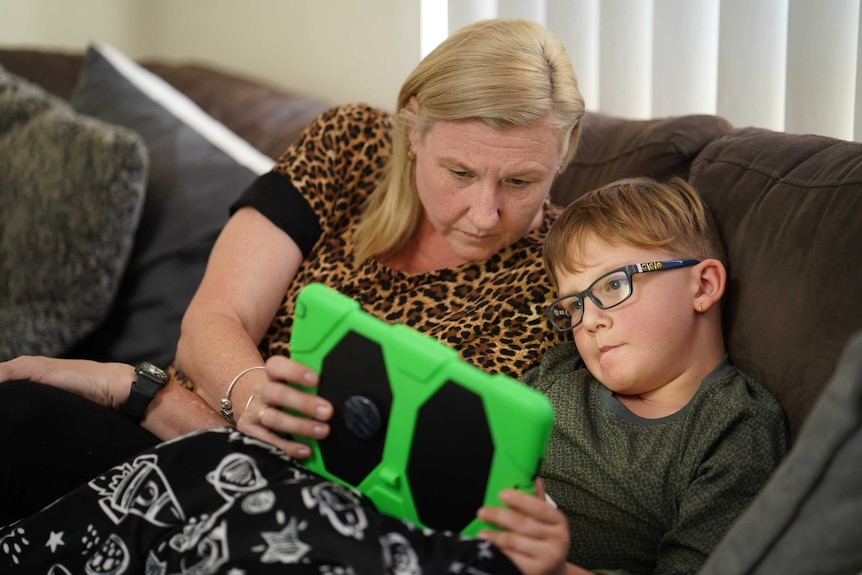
(226, 405)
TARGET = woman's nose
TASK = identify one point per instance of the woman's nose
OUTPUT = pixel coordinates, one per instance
(485, 206)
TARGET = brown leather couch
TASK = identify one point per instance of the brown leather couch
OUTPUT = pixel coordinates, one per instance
(790, 211)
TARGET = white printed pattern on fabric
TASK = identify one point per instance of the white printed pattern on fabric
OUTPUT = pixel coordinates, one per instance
(224, 490)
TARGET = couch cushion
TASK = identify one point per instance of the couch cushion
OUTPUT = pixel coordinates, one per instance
(807, 518)
(612, 148)
(789, 208)
(71, 192)
(197, 169)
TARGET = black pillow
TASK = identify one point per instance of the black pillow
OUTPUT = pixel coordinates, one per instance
(197, 169)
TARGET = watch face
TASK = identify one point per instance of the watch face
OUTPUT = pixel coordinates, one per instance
(149, 370)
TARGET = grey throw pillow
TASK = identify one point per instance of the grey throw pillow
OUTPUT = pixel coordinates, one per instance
(71, 193)
(197, 170)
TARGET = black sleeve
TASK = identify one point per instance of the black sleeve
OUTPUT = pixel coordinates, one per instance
(274, 196)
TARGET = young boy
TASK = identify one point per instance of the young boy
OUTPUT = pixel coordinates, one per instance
(659, 442)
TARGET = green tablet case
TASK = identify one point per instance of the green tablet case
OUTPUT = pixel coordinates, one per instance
(425, 435)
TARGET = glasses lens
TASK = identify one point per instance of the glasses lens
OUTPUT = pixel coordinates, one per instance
(566, 313)
(612, 289)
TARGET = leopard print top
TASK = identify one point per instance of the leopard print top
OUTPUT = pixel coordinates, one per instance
(492, 312)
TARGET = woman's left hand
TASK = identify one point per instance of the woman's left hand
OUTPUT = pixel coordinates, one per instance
(107, 384)
(535, 534)
(278, 409)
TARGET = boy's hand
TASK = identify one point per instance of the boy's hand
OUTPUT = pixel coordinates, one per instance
(535, 534)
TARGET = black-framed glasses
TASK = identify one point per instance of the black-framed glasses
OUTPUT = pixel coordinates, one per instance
(608, 291)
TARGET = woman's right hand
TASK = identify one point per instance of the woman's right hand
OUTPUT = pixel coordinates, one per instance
(265, 417)
(107, 384)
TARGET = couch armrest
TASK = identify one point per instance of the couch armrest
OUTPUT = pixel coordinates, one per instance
(789, 209)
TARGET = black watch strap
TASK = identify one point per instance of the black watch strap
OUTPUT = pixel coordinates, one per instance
(148, 383)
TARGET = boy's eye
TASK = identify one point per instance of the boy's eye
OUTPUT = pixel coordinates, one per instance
(610, 287)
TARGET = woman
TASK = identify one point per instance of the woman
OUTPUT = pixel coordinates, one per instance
(433, 217)
(448, 229)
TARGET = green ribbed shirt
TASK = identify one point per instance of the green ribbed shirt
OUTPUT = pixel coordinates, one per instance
(654, 495)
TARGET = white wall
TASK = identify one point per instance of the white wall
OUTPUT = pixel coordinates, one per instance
(340, 50)
(68, 25)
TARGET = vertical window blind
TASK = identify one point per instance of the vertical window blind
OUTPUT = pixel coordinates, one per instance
(786, 65)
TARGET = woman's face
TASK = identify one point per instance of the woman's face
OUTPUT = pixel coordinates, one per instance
(481, 188)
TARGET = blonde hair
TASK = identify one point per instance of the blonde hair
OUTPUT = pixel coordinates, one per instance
(639, 212)
(504, 72)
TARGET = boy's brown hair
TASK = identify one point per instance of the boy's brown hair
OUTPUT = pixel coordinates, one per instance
(639, 212)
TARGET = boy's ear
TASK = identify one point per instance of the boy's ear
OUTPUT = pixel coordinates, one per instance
(712, 280)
